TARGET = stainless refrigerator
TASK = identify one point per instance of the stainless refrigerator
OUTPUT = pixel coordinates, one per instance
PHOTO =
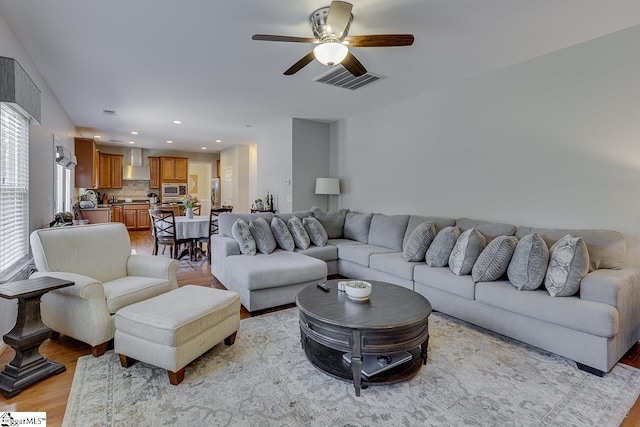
(216, 203)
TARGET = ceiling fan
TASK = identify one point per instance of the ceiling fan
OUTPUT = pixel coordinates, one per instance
(330, 27)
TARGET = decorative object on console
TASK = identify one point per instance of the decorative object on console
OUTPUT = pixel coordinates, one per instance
(494, 259)
(568, 264)
(441, 247)
(466, 251)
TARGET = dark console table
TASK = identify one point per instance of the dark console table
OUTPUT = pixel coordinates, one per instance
(393, 320)
(28, 366)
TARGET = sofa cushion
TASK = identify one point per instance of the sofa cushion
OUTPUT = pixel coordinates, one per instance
(571, 312)
(466, 251)
(416, 247)
(494, 259)
(528, 265)
(490, 230)
(393, 263)
(415, 220)
(282, 234)
(359, 254)
(325, 253)
(333, 222)
(388, 231)
(300, 235)
(441, 247)
(443, 279)
(607, 249)
(227, 219)
(242, 235)
(262, 234)
(356, 226)
(568, 264)
(279, 268)
(316, 231)
(132, 289)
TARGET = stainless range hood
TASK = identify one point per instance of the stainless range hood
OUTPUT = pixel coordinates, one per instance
(135, 171)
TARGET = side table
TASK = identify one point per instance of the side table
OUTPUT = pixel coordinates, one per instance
(28, 366)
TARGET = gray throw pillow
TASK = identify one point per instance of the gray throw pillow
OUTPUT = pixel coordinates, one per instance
(333, 222)
(356, 226)
(262, 234)
(568, 264)
(494, 259)
(241, 233)
(316, 231)
(419, 241)
(282, 234)
(466, 251)
(298, 232)
(441, 247)
(528, 265)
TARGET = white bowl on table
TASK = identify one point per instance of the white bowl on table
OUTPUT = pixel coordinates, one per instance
(358, 290)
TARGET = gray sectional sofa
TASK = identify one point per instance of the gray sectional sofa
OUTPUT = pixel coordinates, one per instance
(595, 328)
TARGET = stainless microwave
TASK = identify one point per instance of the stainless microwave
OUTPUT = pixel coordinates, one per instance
(173, 192)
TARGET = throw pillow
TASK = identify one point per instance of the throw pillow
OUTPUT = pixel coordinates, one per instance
(419, 241)
(441, 247)
(356, 226)
(466, 251)
(333, 222)
(568, 264)
(494, 259)
(528, 265)
(316, 231)
(241, 233)
(262, 234)
(282, 234)
(298, 232)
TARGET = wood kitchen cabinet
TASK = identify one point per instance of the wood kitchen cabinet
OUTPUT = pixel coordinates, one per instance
(86, 170)
(110, 169)
(154, 172)
(116, 214)
(174, 169)
(136, 217)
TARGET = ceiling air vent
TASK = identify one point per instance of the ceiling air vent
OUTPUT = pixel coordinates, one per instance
(109, 112)
(340, 77)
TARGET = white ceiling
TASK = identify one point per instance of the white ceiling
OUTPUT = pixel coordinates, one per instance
(155, 61)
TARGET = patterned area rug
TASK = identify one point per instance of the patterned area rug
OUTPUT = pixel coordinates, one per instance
(473, 377)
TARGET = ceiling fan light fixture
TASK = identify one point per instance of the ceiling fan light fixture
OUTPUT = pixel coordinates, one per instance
(330, 53)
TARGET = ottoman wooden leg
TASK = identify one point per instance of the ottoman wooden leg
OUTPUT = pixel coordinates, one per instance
(231, 338)
(55, 335)
(126, 361)
(176, 378)
(99, 349)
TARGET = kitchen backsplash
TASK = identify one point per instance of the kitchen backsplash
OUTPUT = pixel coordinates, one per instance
(130, 189)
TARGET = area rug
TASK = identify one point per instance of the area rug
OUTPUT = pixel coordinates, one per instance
(473, 377)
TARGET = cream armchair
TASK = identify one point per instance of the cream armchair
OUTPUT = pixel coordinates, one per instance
(107, 277)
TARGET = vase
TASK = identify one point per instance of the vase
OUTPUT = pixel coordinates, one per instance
(188, 212)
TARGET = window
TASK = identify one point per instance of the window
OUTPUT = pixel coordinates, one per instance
(14, 187)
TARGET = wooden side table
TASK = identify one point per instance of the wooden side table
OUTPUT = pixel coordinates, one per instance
(28, 366)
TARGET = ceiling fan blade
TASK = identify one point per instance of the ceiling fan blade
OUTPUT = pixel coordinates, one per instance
(379, 40)
(339, 18)
(300, 64)
(272, 38)
(353, 65)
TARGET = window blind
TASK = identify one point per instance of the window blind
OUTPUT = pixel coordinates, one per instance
(14, 187)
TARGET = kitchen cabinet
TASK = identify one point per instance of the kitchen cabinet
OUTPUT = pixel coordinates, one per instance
(110, 170)
(174, 169)
(116, 214)
(86, 170)
(136, 216)
(154, 172)
(96, 216)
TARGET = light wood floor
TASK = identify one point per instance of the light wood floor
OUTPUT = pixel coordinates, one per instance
(51, 395)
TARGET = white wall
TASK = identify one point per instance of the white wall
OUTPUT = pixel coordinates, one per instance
(235, 190)
(554, 142)
(310, 154)
(275, 163)
(54, 121)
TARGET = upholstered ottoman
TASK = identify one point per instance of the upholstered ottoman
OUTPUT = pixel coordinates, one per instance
(173, 329)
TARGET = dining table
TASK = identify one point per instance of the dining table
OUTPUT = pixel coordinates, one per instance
(192, 229)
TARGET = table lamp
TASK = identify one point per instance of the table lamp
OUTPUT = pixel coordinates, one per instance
(327, 186)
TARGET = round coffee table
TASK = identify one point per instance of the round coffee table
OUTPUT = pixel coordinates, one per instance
(394, 320)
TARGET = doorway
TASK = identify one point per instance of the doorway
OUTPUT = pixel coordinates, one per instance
(199, 184)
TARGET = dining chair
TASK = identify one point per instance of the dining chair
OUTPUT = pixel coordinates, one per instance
(213, 227)
(196, 210)
(164, 232)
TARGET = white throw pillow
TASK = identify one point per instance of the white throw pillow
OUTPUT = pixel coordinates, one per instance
(568, 264)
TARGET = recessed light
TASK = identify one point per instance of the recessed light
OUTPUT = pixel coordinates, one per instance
(132, 142)
(133, 132)
(97, 136)
(169, 142)
(177, 122)
(218, 140)
(203, 148)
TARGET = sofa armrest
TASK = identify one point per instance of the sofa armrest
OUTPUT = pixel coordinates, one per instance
(224, 246)
(85, 287)
(153, 266)
(618, 288)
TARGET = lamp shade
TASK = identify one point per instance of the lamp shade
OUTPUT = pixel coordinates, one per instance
(327, 186)
(330, 53)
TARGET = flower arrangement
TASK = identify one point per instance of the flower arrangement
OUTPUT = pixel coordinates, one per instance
(189, 201)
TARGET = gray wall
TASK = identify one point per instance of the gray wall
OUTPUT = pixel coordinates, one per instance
(554, 141)
(310, 151)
